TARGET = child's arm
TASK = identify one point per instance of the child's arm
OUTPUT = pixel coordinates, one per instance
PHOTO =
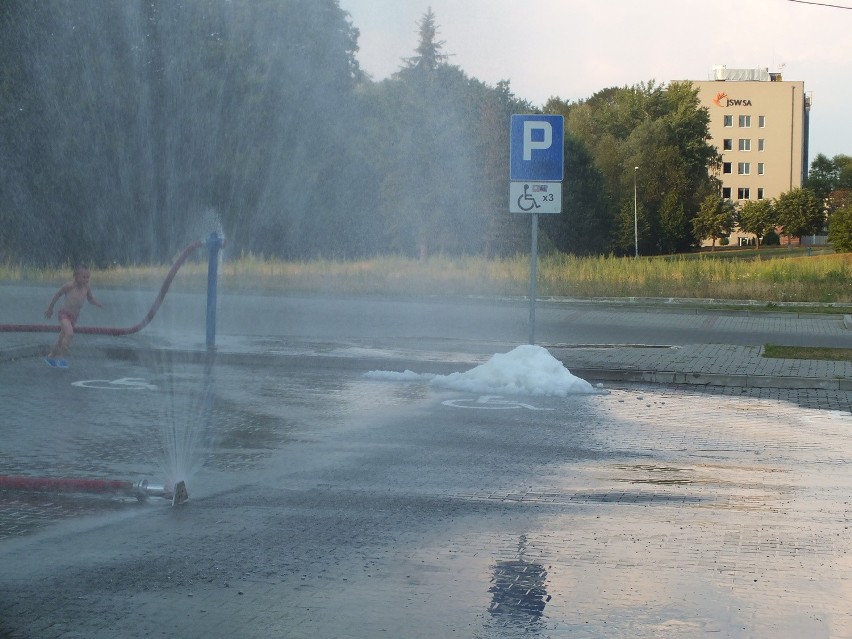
(90, 296)
(62, 291)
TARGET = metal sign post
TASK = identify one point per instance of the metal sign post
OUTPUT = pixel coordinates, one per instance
(536, 170)
(533, 273)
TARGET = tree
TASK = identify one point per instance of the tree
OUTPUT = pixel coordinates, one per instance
(757, 217)
(841, 194)
(630, 221)
(503, 233)
(585, 225)
(799, 213)
(436, 190)
(831, 181)
(131, 128)
(840, 229)
(844, 164)
(674, 224)
(715, 219)
(823, 176)
(429, 54)
(427, 167)
(827, 175)
(662, 130)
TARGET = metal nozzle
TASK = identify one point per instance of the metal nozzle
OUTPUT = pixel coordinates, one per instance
(181, 495)
(142, 490)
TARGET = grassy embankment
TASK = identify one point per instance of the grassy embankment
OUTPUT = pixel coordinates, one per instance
(771, 276)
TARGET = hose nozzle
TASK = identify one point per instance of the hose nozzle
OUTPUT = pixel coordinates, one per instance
(179, 495)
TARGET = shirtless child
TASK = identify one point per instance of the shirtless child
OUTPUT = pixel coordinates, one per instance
(76, 293)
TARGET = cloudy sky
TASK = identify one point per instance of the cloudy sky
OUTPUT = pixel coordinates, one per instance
(573, 48)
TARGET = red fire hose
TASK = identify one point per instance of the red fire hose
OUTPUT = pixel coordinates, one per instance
(65, 485)
(103, 330)
(141, 489)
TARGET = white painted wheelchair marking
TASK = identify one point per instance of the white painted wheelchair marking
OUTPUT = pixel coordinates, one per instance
(124, 383)
(490, 402)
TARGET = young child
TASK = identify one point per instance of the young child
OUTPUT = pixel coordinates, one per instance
(76, 293)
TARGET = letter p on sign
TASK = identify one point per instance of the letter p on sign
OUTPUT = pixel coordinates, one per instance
(530, 144)
(536, 148)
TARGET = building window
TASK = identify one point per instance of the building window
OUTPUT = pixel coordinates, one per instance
(729, 120)
(742, 193)
(727, 144)
(743, 168)
(760, 193)
(761, 121)
(760, 168)
(745, 121)
(726, 192)
(726, 167)
(761, 144)
(745, 144)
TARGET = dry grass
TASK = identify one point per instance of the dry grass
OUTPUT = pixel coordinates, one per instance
(824, 278)
(788, 277)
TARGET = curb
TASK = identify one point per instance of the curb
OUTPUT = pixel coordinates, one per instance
(589, 373)
(711, 379)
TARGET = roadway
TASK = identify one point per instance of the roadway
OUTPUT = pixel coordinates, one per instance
(486, 320)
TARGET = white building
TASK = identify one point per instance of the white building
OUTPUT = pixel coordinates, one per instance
(759, 123)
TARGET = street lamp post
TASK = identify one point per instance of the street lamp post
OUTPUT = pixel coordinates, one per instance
(635, 216)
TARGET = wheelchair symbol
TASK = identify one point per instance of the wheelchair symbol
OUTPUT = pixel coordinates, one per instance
(125, 383)
(528, 200)
(490, 402)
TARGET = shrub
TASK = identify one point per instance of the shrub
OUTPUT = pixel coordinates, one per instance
(771, 239)
(840, 229)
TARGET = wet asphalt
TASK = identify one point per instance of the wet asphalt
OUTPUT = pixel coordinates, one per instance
(326, 504)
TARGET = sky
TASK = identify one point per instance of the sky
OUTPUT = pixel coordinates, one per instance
(571, 49)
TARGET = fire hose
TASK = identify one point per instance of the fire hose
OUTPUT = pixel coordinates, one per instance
(105, 330)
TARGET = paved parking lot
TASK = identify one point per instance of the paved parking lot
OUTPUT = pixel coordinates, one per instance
(706, 493)
(325, 504)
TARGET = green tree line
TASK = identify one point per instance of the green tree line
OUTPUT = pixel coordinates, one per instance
(131, 127)
(824, 201)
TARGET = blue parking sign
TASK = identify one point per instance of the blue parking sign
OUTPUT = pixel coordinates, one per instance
(536, 148)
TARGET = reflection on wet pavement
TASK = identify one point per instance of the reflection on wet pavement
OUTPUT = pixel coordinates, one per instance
(518, 592)
(737, 509)
(648, 512)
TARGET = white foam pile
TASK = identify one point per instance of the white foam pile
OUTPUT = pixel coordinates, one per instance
(526, 370)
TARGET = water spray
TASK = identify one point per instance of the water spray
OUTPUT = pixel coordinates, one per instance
(142, 489)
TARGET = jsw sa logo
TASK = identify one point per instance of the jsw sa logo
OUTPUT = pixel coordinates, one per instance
(722, 100)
